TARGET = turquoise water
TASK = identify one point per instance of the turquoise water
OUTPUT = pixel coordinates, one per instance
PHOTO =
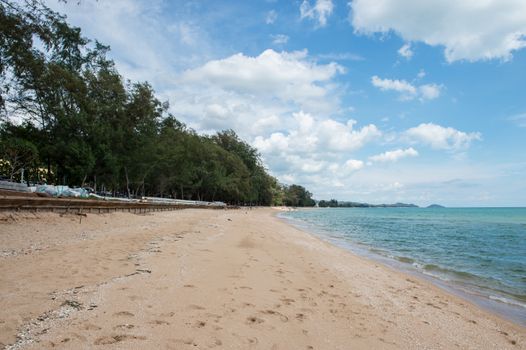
(481, 251)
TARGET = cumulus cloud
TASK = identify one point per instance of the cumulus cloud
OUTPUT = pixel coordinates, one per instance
(439, 137)
(405, 51)
(401, 86)
(279, 39)
(310, 135)
(288, 80)
(407, 90)
(319, 12)
(468, 30)
(286, 74)
(316, 150)
(393, 156)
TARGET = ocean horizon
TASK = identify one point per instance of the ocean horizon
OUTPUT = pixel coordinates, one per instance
(478, 253)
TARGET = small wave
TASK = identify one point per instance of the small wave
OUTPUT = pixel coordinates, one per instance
(507, 301)
(405, 259)
(378, 251)
(461, 274)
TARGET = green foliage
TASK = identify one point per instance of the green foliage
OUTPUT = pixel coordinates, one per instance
(333, 203)
(15, 155)
(82, 125)
(297, 196)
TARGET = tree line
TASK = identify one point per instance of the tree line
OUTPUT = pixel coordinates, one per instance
(333, 203)
(68, 117)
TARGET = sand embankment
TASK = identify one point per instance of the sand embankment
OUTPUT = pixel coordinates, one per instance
(209, 278)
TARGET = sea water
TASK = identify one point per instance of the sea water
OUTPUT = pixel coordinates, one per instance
(478, 251)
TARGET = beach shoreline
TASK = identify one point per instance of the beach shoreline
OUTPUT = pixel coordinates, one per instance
(510, 312)
(235, 279)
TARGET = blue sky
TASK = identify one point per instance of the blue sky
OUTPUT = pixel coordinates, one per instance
(375, 101)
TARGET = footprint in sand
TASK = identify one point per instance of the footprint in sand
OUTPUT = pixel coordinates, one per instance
(254, 320)
(252, 341)
(282, 317)
(124, 326)
(214, 342)
(107, 340)
(186, 341)
(123, 314)
(287, 301)
(168, 314)
(195, 307)
(91, 327)
(433, 305)
(200, 324)
(301, 317)
(159, 322)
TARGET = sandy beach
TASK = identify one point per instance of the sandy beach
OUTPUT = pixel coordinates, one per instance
(199, 279)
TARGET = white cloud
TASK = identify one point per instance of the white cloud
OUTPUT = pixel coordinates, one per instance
(429, 91)
(140, 36)
(401, 86)
(352, 165)
(316, 150)
(288, 75)
(287, 80)
(407, 90)
(321, 10)
(393, 156)
(439, 137)
(271, 17)
(279, 39)
(405, 51)
(263, 124)
(469, 29)
(310, 135)
(519, 120)
(260, 96)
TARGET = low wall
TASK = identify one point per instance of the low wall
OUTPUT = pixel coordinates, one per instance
(13, 186)
(87, 205)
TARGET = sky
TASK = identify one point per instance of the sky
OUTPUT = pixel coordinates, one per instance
(416, 101)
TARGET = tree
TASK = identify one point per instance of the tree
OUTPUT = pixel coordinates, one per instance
(298, 196)
(82, 124)
(17, 154)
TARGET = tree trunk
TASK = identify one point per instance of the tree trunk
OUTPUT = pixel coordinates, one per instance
(127, 182)
(48, 177)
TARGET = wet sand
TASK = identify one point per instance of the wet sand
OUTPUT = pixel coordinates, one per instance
(199, 279)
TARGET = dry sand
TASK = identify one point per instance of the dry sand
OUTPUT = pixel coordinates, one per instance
(199, 279)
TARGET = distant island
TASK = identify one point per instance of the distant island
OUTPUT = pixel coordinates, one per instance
(333, 203)
(435, 206)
